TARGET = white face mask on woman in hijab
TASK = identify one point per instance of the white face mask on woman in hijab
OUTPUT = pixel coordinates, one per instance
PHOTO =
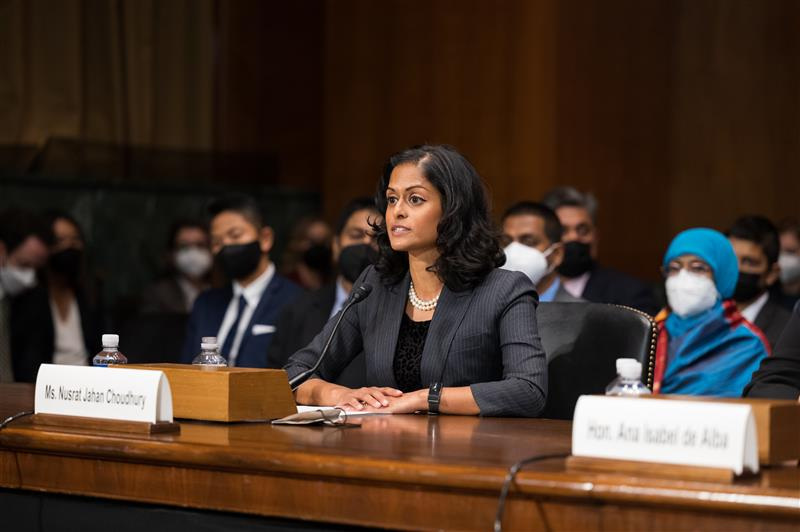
(690, 294)
(528, 260)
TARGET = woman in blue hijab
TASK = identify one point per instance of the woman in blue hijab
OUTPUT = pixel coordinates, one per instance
(705, 346)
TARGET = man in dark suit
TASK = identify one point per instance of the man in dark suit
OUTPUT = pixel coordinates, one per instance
(536, 226)
(755, 241)
(243, 314)
(303, 319)
(580, 273)
(779, 374)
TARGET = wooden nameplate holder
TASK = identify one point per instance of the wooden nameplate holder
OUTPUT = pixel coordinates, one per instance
(226, 393)
(51, 421)
(586, 464)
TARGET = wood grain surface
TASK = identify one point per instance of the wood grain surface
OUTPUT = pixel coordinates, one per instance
(412, 472)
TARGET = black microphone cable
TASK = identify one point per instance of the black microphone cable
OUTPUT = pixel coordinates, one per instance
(15, 417)
(510, 476)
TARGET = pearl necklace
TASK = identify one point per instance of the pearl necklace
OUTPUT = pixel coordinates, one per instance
(418, 303)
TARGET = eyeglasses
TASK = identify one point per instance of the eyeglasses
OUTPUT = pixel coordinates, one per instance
(695, 266)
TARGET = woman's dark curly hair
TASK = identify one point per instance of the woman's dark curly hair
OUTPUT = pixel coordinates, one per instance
(467, 242)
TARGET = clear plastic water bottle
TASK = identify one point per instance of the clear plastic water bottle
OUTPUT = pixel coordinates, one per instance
(209, 353)
(629, 379)
(110, 353)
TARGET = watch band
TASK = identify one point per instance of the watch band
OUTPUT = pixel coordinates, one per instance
(434, 397)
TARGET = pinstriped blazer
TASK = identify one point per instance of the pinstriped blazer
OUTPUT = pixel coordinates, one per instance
(485, 338)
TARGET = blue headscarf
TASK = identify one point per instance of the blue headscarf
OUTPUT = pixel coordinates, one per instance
(714, 352)
(714, 249)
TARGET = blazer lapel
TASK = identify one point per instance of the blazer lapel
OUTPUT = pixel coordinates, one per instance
(449, 314)
(388, 318)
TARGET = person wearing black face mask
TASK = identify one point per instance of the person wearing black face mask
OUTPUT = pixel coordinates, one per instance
(242, 315)
(756, 244)
(353, 249)
(581, 275)
(60, 321)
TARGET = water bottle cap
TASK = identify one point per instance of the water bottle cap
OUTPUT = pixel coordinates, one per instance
(209, 342)
(110, 340)
(630, 368)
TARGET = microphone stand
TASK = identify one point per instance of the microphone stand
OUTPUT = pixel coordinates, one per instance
(358, 295)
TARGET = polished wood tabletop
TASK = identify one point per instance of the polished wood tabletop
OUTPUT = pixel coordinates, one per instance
(398, 471)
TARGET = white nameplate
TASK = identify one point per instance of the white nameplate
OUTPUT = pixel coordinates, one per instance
(107, 393)
(692, 433)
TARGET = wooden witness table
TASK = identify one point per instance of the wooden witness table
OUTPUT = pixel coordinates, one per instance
(415, 472)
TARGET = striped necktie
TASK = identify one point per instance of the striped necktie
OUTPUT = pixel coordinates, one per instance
(228, 345)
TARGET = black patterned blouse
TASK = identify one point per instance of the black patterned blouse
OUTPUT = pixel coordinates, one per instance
(408, 356)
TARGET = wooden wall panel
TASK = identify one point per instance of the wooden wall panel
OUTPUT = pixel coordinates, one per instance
(477, 75)
(613, 105)
(269, 85)
(736, 115)
(673, 112)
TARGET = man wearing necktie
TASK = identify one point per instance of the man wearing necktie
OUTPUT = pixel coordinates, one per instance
(243, 314)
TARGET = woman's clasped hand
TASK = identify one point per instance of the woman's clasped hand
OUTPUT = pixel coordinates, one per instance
(381, 399)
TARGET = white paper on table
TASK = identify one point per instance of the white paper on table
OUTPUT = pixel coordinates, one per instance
(309, 415)
(350, 413)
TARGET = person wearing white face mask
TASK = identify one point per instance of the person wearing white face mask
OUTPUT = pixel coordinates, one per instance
(789, 262)
(24, 241)
(190, 261)
(532, 238)
(705, 346)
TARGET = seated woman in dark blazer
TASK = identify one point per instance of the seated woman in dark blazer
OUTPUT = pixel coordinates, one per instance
(442, 321)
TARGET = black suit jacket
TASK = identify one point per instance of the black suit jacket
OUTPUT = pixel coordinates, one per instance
(299, 323)
(485, 338)
(33, 332)
(779, 374)
(607, 285)
(772, 319)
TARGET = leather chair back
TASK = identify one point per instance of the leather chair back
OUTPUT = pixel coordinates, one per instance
(583, 341)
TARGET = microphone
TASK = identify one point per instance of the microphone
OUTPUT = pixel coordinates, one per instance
(358, 295)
